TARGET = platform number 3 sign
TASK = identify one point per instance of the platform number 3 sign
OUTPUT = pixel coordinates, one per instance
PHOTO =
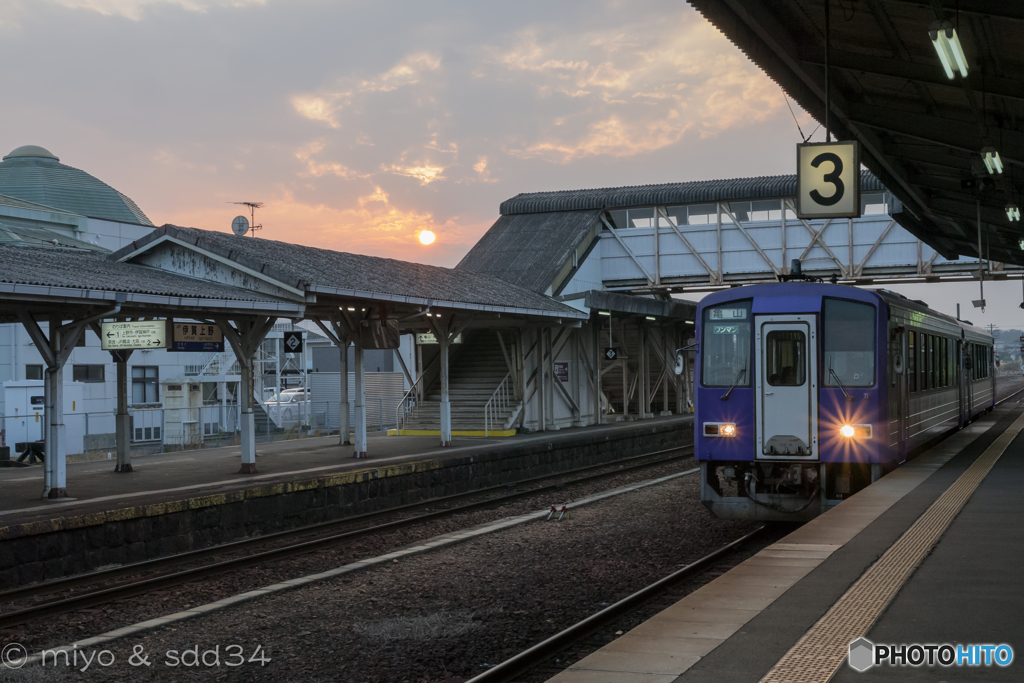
(828, 180)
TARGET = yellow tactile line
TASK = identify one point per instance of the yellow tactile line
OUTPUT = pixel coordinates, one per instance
(823, 649)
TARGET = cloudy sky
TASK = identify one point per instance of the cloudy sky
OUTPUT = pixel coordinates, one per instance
(360, 124)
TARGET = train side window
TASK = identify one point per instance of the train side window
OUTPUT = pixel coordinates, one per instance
(944, 361)
(925, 364)
(911, 364)
(932, 378)
(786, 358)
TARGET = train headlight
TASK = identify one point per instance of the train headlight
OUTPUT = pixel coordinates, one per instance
(719, 429)
(856, 431)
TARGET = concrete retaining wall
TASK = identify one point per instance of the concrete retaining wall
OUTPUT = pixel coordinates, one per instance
(71, 545)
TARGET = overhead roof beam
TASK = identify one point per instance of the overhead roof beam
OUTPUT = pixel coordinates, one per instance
(754, 17)
(998, 9)
(935, 130)
(911, 71)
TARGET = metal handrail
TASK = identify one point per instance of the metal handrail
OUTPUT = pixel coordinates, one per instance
(497, 404)
(401, 410)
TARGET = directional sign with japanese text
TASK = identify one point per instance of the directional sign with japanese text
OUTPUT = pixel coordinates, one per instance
(142, 334)
(562, 371)
(429, 338)
(828, 180)
(201, 337)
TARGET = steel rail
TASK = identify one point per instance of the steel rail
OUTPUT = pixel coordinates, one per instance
(530, 658)
(153, 583)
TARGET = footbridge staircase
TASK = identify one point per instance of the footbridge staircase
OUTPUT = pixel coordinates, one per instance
(481, 389)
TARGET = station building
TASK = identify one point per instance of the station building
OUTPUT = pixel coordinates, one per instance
(564, 314)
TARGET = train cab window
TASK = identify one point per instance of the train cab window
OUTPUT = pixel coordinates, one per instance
(912, 360)
(725, 347)
(849, 344)
(786, 358)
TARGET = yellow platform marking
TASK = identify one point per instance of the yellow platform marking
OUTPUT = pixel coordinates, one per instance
(823, 649)
(455, 432)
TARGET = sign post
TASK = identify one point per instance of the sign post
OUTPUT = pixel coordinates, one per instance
(828, 180)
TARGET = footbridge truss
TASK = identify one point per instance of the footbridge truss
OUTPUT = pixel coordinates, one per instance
(707, 246)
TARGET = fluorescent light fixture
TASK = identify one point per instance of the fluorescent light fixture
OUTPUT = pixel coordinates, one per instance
(1021, 243)
(650, 317)
(947, 45)
(993, 164)
(608, 313)
(1012, 212)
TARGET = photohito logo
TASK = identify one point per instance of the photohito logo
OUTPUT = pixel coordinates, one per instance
(864, 654)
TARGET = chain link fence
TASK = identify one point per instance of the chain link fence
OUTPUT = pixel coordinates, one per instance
(91, 435)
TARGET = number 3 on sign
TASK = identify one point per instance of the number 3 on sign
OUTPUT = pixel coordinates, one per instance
(828, 180)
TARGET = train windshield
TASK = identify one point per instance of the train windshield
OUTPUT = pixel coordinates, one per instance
(849, 344)
(726, 346)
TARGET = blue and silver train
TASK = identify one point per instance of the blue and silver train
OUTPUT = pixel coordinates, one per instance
(807, 392)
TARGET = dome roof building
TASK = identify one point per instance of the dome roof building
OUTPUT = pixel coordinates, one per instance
(34, 174)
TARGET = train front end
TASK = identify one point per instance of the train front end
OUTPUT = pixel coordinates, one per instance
(790, 398)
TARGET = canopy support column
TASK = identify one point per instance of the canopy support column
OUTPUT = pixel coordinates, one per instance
(245, 337)
(341, 333)
(446, 332)
(360, 411)
(55, 351)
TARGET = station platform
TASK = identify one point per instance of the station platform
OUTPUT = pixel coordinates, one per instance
(166, 482)
(929, 555)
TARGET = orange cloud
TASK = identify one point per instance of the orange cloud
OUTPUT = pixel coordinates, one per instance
(638, 96)
(373, 225)
(425, 171)
(406, 72)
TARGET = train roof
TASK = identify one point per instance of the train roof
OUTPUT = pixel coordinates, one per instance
(823, 289)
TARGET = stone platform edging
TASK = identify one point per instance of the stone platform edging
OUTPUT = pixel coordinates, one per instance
(61, 546)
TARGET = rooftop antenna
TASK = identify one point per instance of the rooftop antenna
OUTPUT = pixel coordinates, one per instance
(241, 225)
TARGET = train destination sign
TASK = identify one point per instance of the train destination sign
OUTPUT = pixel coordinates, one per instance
(142, 334)
(197, 337)
(828, 180)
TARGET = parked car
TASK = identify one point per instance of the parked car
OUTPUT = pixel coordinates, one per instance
(289, 408)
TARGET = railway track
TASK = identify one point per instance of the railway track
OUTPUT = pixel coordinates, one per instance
(537, 659)
(62, 595)
(534, 657)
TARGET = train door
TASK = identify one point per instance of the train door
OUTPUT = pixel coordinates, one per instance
(966, 383)
(787, 394)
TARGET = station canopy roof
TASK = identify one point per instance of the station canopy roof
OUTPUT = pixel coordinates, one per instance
(319, 277)
(40, 277)
(921, 133)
